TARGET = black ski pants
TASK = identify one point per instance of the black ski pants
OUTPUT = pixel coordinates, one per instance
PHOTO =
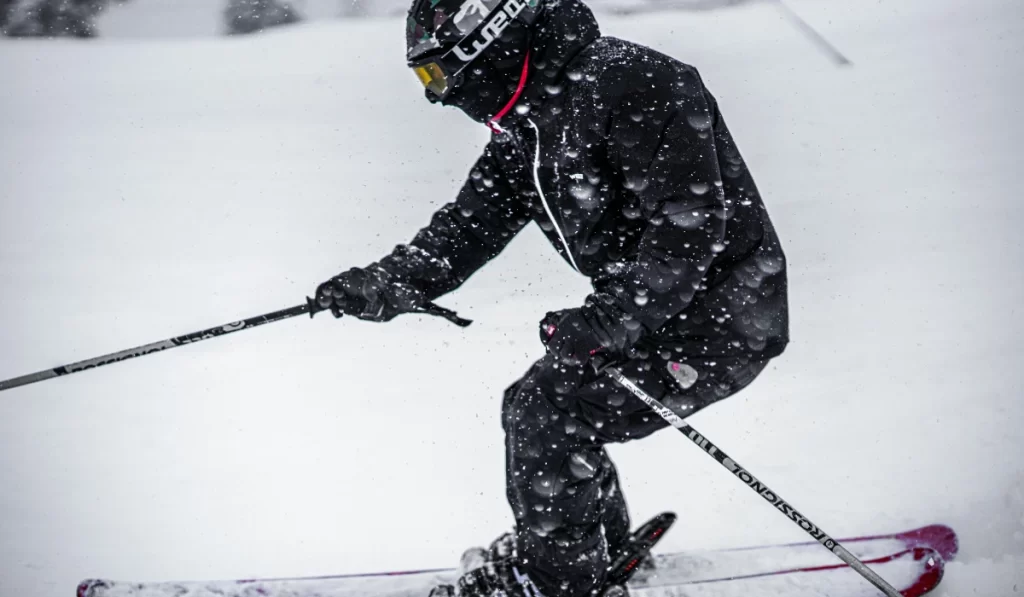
(563, 489)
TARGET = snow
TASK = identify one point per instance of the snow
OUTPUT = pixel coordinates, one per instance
(154, 187)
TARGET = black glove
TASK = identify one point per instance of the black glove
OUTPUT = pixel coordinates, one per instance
(576, 336)
(369, 293)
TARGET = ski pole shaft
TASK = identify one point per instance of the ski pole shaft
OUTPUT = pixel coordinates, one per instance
(750, 481)
(115, 357)
(812, 34)
(138, 351)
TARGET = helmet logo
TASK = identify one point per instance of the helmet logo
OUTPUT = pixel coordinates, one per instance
(472, 6)
(498, 22)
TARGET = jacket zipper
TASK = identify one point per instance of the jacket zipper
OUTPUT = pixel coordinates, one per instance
(543, 200)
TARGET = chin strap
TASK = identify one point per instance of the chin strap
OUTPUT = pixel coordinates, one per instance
(493, 123)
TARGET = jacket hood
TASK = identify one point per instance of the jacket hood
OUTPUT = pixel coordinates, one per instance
(563, 31)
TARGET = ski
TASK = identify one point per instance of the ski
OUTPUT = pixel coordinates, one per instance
(913, 561)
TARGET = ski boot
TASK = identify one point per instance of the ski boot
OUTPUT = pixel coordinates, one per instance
(476, 557)
(489, 572)
(500, 578)
(494, 572)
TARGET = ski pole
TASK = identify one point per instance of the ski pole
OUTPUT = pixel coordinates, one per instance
(750, 481)
(812, 34)
(115, 357)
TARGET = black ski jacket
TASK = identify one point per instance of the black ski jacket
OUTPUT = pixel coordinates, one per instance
(622, 157)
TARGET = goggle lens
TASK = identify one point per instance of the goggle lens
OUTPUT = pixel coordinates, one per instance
(432, 77)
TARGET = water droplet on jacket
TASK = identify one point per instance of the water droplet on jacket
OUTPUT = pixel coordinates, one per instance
(575, 75)
(699, 188)
(717, 247)
(547, 485)
(756, 343)
(699, 120)
(636, 183)
(770, 264)
(614, 267)
(583, 465)
(522, 109)
(553, 89)
(640, 300)
(549, 523)
(582, 191)
(689, 220)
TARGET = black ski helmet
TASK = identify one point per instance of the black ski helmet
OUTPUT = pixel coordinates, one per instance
(443, 37)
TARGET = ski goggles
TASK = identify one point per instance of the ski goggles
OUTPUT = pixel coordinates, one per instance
(439, 73)
(434, 76)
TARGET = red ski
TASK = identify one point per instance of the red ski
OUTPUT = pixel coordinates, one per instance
(912, 561)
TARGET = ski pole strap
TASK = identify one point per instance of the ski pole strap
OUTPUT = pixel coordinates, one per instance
(429, 308)
(439, 311)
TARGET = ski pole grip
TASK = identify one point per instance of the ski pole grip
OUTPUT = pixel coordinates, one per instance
(428, 309)
(313, 307)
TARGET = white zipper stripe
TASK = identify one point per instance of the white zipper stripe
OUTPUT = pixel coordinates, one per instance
(547, 208)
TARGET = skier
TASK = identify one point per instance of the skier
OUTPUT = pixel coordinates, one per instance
(622, 157)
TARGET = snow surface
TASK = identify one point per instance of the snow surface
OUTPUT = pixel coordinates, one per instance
(155, 187)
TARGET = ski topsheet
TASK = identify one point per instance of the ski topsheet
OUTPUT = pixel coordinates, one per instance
(912, 561)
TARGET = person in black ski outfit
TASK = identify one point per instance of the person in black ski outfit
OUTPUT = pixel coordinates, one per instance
(622, 157)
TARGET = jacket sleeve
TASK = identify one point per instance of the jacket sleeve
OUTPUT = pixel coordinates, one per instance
(662, 147)
(463, 235)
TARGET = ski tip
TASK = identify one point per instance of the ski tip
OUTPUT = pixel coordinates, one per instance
(653, 529)
(939, 537)
(91, 587)
(665, 519)
(949, 540)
